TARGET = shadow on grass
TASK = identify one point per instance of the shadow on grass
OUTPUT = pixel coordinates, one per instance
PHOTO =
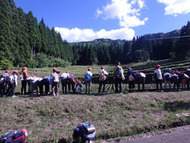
(175, 106)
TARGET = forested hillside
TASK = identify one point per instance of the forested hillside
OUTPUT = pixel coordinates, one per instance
(26, 42)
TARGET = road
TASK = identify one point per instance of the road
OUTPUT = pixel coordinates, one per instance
(175, 135)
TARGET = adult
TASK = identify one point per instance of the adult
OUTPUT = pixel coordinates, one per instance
(102, 79)
(4, 82)
(188, 80)
(84, 132)
(158, 77)
(131, 79)
(14, 136)
(119, 77)
(25, 80)
(12, 82)
(55, 82)
(63, 78)
(88, 80)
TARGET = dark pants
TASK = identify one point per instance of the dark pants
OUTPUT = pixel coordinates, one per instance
(55, 88)
(88, 86)
(3, 88)
(64, 86)
(158, 82)
(131, 85)
(24, 82)
(46, 83)
(176, 84)
(11, 89)
(118, 81)
(22, 87)
(140, 80)
(100, 86)
(71, 84)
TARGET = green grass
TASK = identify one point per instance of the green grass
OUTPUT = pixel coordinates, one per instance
(50, 119)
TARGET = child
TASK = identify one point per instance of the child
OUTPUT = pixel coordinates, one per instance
(79, 87)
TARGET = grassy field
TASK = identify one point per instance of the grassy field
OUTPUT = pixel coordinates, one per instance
(52, 119)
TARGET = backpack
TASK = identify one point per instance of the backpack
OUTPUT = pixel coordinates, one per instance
(8, 137)
(102, 77)
(88, 77)
(3, 78)
(89, 128)
(118, 73)
(131, 78)
(11, 79)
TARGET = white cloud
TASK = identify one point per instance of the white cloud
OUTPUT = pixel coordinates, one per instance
(176, 7)
(127, 12)
(77, 35)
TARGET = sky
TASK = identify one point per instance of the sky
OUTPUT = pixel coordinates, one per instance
(87, 20)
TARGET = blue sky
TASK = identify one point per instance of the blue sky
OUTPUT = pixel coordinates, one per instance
(86, 20)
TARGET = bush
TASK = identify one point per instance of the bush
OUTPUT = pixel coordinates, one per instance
(6, 64)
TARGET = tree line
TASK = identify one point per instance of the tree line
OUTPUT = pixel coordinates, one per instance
(26, 42)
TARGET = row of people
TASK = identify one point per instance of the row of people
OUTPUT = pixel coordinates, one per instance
(177, 78)
(9, 82)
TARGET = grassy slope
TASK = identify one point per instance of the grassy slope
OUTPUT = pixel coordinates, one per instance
(51, 119)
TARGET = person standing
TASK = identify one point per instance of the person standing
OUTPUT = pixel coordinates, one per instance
(102, 79)
(158, 77)
(4, 82)
(131, 79)
(55, 82)
(88, 80)
(64, 77)
(13, 82)
(119, 77)
(25, 81)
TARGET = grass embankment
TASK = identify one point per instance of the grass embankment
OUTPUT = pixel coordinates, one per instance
(52, 119)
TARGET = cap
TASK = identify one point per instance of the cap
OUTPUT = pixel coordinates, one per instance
(80, 124)
(6, 71)
(25, 131)
(102, 67)
(24, 68)
(118, 63)
(15, 71)
(158, 66)
(89, 69)
(54, 69)
(78, 82)
(57, 71)
(129, 68)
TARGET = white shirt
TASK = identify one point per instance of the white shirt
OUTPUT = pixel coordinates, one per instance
(158, 74)
(88, 72)
(64, 75)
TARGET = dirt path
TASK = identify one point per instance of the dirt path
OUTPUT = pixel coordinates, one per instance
(175, 135)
